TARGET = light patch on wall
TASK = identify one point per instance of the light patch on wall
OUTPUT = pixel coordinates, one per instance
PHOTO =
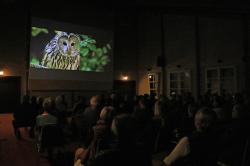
(124, 77)
(187, 74)
(1, 72)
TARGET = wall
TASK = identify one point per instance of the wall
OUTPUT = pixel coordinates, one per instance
(149, 48)
(180, 45)
(13, 42)
(125, 59)
(219, 38)
(222, 39)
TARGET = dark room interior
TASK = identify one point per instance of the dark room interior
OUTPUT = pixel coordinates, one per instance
(125, 83)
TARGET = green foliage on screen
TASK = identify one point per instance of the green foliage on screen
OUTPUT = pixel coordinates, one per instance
(93, 58)
(34, 61)
(36, 31)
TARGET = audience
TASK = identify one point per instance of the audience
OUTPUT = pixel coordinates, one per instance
(201, 145)
(128, 130)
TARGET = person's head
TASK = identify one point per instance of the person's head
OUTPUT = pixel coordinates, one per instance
(238, 112)
(33, 99)
(39, 100)
(26, 99)
(124, 128)
(107, 114)
(157, 108)
(173, 95)
(94, 101)
(47, 104)
(221, 114)
(163, 98)
(142, 103)
(191, 110)
(113, 96)
(238, 98)
(204, 119)
(216, 101)
(58, 100)
(81, 99)
(63, 98)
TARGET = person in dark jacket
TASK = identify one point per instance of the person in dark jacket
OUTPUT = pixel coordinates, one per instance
(127, 152)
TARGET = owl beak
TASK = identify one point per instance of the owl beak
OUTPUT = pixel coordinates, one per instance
(69, 51)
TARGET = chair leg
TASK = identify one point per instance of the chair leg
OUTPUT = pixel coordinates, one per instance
(156, 143)
(31, 132)
(18, 133)
(244, 157)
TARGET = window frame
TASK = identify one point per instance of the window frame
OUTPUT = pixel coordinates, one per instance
(155, 82)
(219, 78)
(179, 89)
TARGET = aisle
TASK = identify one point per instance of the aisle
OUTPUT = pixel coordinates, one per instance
(15, 152)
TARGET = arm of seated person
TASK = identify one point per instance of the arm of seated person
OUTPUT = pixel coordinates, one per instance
(78, 163)
(81, 154)
(181, 149)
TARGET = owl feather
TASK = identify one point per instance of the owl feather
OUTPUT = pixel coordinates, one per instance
(62, 52)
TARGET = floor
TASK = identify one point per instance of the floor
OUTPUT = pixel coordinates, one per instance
(17, 152)
(14, 152)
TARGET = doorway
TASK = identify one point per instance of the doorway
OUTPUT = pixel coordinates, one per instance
(125, 87)
(10, 91)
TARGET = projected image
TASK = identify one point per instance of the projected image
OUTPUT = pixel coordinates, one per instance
(67, 51)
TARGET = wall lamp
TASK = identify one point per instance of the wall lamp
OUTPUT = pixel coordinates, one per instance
(1, 73)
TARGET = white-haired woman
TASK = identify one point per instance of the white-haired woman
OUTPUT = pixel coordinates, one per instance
(101, 137)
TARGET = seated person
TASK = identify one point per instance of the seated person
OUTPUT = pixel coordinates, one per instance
(201, 145)
(101, 136)
(22, 116)
(234, 137)
(127, 152)
(46, 118)
(33, 114)
(79, 106)
(60, 111)
(90, 116)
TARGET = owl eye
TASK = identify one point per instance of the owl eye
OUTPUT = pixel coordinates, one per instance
(72, 44)
(64, 43)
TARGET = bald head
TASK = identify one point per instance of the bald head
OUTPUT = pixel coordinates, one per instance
(204, 119)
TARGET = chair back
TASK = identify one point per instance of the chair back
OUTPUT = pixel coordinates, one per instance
(52, 136)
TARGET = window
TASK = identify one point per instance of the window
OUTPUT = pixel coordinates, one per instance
(220, 80)
(179, 82)
(153, 80)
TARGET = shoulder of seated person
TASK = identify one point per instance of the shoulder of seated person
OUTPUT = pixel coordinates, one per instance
(100, 128)
(185, 139)
(100, 122)
(107, 152)
(39, 116)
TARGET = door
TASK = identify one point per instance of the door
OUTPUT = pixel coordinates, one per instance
(125, 87)
(9, 93)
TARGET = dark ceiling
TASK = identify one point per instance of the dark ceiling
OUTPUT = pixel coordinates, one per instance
(233, 6)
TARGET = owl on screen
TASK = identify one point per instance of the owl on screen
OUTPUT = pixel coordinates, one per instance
(62, 52)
